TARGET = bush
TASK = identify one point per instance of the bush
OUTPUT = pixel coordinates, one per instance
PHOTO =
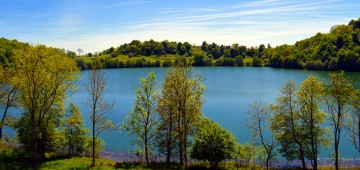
(82, 64)
(199, 60)
(99, 146)
(239, 61)
(229, 62)
(167, 63)
(212, 143)
(257, 62)
(157, 63)
(219, 62)
(208, 61)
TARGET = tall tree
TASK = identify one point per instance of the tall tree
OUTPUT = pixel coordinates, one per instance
(260, 124)
(166, 139)
(142, 120)
(44, 76)
(353, 123)
(8, 94)
(74, 130)
(338, 99)
(309, 97)
(286, 124)
(99, 106)
(80, 51)
(183, 94)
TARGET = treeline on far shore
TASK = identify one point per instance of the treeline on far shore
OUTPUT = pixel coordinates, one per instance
(337, 50)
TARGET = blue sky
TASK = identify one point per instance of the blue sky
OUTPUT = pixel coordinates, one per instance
(97, 25)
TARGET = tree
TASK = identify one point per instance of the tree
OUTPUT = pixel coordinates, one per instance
(338, 99)
(353, 123)
(8, 94)
(309, 97)
(142, 120)
(180, 107)
(239, 61)
(244, 153)
(286, 124)
(74, 131)
(80, 51)
(259, 125)
(99, 107)
(257, 62)
(199, 60)
(44, 77)
(212, 143)
(204, 46)
(215, 52)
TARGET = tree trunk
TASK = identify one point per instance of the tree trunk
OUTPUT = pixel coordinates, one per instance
(35, 141)
(185, 149)
(3, 120)
(267, 161)
(181, 142)
(169, 140)
(336, 156)
(168, 150)
(93, 142)
(181, 150)
(302, 158)
(146, 150)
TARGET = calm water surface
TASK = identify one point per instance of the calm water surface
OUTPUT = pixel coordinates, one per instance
(229, 92)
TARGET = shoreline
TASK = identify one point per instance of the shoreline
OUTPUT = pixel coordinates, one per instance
(130, 156)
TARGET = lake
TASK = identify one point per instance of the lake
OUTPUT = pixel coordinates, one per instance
(229, 92)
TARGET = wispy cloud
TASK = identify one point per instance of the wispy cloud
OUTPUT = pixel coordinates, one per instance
(95, 26)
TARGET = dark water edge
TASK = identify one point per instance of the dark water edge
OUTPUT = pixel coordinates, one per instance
(130, 156)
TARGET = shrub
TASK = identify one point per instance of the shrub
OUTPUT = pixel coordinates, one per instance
(212, 143)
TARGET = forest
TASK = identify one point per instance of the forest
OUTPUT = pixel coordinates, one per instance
(337, 50)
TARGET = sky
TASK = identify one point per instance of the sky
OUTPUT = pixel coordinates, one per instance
(95, 25)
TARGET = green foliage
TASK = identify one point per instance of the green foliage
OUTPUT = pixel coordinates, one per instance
(239, 61)
(257, 62)
(212, 143)
(74, 131)
(353, 123)
(310, 95)
(179, 107)
(339, 97)
(337, 50)
(199, 60)
(99, 146)
(44, 76)
(7, 48)
(228, 62)
(47, 132)
(244, 153)
(167, 63)
(142, 121)
(286, 124)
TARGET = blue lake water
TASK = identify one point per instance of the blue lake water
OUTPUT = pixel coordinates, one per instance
(229, 92)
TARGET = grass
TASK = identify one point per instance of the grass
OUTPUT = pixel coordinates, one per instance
(14, 158)
(77, 163)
